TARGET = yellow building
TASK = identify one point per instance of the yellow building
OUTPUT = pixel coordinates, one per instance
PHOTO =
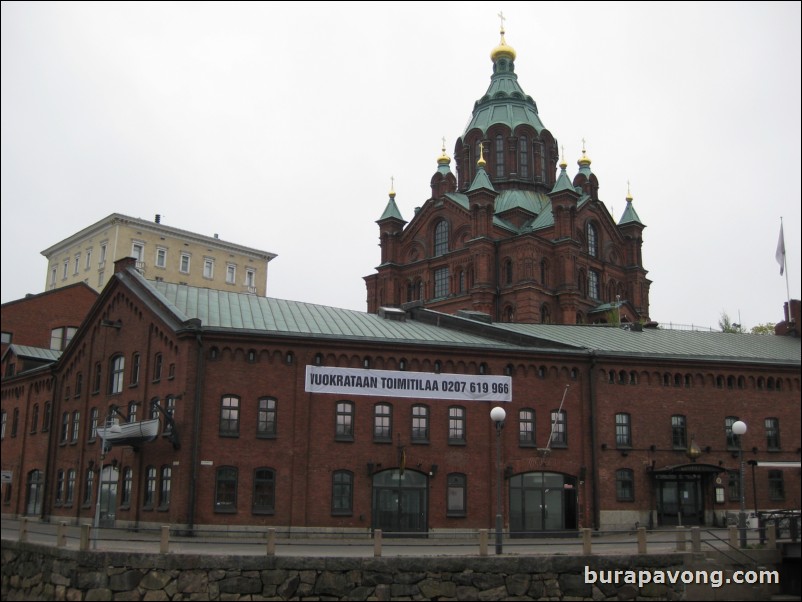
(163, 253)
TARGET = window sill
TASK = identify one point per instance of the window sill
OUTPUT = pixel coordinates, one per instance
(265, 512)
(342, 513)
(225, 510)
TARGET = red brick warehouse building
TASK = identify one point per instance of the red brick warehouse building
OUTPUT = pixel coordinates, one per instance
(285, 414)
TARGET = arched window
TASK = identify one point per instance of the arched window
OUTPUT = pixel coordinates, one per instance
(128, 480)
(150, 487)
(229, 416)
(383, 422)
(499, 157)
(165, 486)
(441, 232)
(225, 489)
(523, 157)
(545, 314)
(593, 243)
(508, 271)
(264, 491)
(266, 417)
(420, 423)
(593, 284)
(456, 424)
(344, 426)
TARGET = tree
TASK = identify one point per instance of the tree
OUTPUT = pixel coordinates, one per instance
(727, 325)
(766, 328)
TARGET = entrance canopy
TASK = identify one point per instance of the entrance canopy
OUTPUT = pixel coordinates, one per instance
(691, 468)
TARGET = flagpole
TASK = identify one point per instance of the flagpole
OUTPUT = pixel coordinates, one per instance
(784, 267)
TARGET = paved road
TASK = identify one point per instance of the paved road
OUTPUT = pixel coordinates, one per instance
(663, 541)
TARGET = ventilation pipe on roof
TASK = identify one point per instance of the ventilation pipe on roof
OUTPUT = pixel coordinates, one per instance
(158, 218)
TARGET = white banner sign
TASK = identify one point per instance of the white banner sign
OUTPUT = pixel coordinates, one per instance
(420, 385)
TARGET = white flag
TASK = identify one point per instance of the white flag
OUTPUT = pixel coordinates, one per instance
(780, 253)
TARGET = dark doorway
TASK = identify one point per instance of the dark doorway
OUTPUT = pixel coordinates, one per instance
(400, 503)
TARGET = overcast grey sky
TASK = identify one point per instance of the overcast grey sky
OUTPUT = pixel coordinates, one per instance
(279, 125)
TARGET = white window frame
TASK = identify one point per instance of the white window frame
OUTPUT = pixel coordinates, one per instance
(188, 258)
(102, 254)
(77, 266)
(66, 269)
(250, 277)
(88, 263)
(208, 268)
(139, 256)
(231, 273)
(161, 252)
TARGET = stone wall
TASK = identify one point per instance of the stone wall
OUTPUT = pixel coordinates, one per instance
(36, 572)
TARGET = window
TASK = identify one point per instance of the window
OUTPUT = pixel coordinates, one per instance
(523, 157)
(441, 238)
(593, 284)
(65, 427)
(526, 427)
(732, 438)
(161, 257)
(734, 485)
(508, 271)
(61, 337)
(456, 495)
(624, 485)
(15, 422)
(132, 409)
(77, 266)
(3, 427)
(250, 278)
(98, 379)
(117, 374)
(93, 418)
(35, 417)
(264, 491)
(100, 276)
(59, 487)
(593, 245)
(679, 432)
(772, 433)
(46, 417)
(499, 157)
(623, 430)
(70, 492)
(136, 360)
(138, 251)
(169, 409)
(102, 253)
(559, 431)
(89, 483)
(165, 484)
(150, 487)
(344, 428)
(456, 424)
(441, 282)
(76, 424)
(231, 274)
(776, 485)
(382, 422)
(128, 479)
(342, 492)
(183, 265)
(208, 268)
(225, 490)
(158, 362)
(79, 384)
(266, 417)
(53, 276)
(420, 424)
(229, 416)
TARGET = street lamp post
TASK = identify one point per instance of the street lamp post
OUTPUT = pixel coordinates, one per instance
(739, 429)
(497, 415)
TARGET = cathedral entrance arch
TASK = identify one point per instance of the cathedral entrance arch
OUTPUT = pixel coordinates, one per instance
(400, 503)
(542, 501)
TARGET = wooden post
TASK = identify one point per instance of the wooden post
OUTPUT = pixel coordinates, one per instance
(377, 543)
(85, 529)
(271, 542)
(680, 539)
(23, 529)
(696, 540)
(586, 542)
(164, 544)
(483, 537)
(641, 540)
(61, 535)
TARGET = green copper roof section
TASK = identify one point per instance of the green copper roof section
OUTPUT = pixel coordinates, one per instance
(459, 198)
(239, 311)
(35, 353)
(630, 215)
(504, 102)
(528, 200)
(482, 180)
(563, 182)
(391, 211)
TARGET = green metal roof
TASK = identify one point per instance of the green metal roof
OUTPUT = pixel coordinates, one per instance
(391, 211)
(240, 311)
(630, 216)
(504, 102)
(655, 342)
(482, 180)
(528, 200)
(36, 353)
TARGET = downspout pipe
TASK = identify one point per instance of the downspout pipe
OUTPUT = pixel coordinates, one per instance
(196, 426)
(593, 439)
